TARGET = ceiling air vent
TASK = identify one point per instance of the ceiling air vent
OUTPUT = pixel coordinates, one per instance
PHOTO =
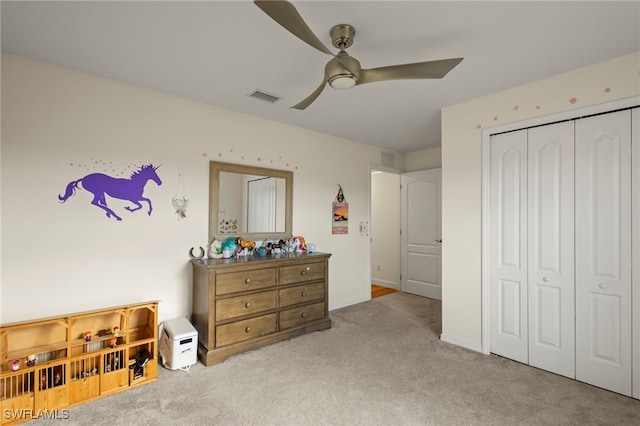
(259, 94)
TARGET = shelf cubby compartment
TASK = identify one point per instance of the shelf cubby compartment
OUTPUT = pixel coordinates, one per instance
(113, 370)
(142, 323)
(17, 395)
(84, 381)
(47, 343)
(143, 365)
(101, 326)
(52, 391)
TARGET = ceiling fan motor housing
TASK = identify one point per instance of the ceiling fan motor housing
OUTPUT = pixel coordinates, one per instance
(340, 67)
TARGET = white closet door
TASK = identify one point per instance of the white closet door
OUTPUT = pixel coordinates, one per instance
(603, 251)
(508, 245)
(261, 205)
(551, 248)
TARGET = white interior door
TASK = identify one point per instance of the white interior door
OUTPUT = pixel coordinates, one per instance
(603, 251)
(551, 248)
(508, 246)
(421, 233)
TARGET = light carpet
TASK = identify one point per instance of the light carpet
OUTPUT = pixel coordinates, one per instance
(381, 363)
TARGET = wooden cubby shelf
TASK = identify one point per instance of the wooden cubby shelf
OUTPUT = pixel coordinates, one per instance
(69, 369)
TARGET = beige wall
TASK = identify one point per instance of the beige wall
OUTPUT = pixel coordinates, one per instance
(430, 158)
(59, 125)
(462, 127)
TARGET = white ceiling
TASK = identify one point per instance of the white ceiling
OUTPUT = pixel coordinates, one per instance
(218, 52)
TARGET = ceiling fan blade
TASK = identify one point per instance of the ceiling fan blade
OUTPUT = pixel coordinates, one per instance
(418, 70)
(312, 97)
(285, 14)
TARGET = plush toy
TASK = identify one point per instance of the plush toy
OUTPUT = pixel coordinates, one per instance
(228, 248)
(215, 249)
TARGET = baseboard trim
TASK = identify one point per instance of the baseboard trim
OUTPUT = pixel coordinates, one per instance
(461, 342)
(384, 283)
(349, 303)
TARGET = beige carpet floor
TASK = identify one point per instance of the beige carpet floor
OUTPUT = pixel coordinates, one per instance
(381, 363)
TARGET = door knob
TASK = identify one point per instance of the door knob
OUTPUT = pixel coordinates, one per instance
(603, 285)
(438, 241)
(546, 279)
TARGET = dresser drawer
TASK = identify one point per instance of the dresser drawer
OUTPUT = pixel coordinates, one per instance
(301, 273)
(296, 316)
(252, 279)
(245, 330)
(245, 305)
(300, 294)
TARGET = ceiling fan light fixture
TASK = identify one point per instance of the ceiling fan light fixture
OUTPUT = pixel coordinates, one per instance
(343, 81)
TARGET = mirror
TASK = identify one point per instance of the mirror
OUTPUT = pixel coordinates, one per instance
(254, 203)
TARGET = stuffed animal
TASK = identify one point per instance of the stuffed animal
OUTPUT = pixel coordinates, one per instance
(228, 248)
(215, 249)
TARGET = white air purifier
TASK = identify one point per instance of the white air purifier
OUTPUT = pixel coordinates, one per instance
(178, 344)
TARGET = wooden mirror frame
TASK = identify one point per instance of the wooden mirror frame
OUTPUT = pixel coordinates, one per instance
(215, 167)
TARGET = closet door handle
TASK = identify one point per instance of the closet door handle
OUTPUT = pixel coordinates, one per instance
(546, 279)
(438, 241)
(603, 285)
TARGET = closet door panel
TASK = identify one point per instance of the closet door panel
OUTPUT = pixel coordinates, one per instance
(551, 248)
(603, 251)
(508, 234)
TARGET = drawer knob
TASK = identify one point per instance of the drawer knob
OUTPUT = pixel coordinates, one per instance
(248, 304)
(303, 315)
(307, 269)
(303, 294)
(248, 329)
(247, 281)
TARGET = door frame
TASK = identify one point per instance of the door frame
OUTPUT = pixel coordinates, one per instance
(486, 198)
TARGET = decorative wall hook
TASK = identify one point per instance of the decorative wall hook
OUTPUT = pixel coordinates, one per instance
(180, 201)
(340, 196)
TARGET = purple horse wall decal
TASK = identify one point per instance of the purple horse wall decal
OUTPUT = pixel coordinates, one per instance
(124, 189)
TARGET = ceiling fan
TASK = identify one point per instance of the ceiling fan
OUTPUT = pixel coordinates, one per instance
(344, 71)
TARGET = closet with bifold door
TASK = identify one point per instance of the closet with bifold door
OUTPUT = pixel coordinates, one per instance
(560, 248)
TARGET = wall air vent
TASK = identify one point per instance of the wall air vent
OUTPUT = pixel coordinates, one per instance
(387, 159)
(260, 94)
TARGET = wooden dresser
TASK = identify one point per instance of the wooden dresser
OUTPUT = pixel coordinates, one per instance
(245, 303)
